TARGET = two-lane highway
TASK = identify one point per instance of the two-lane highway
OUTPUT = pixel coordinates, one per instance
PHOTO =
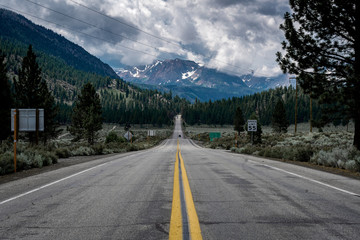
(180, 190)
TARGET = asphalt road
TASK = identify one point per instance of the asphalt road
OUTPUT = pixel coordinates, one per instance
(130, 196)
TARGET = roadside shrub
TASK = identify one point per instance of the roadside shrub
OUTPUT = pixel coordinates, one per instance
(274, 152)
(132, 147)
(337, 157)
(98, 148)
(5, 146)
(82, 151)
(289, 153)
(352, 165)
(23, 162)
(49, 158)
(37, 161)
(112, 137)
(303, 154)
(63, 152)
(6, 162)
(249, 149)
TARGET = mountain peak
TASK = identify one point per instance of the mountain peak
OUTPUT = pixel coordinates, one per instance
(188, 79)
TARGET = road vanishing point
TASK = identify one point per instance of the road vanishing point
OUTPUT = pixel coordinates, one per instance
(179, 190)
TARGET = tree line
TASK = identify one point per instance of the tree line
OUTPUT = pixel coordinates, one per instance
(223, 111)
(106, 100)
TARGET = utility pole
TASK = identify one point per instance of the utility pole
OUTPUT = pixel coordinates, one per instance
(296, 102)
(311, 117)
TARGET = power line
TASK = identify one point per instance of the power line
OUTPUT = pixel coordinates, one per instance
(92, 25)
(126, 24)
(174, 43)
(86, 34)
(116, 34)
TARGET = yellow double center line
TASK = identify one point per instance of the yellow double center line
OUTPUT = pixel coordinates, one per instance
(184, 223)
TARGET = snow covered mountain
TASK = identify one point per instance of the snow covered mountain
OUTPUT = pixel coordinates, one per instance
(190, 80)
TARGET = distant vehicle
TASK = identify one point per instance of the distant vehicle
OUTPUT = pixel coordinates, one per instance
(179, 135)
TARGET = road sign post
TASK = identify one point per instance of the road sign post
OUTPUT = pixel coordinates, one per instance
(26, 120)
(252, 127)
(15, 136)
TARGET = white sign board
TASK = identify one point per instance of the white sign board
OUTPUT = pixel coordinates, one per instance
(27, 120)
(151, 133)
(128, 136)
(252, 125)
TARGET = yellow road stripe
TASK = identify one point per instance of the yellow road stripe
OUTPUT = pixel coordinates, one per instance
(176, 227)
(194, 225)
(176, 220)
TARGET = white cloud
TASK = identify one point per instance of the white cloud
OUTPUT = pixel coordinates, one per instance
(231, 35)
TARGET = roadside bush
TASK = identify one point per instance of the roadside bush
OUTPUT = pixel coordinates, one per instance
(132, 147)
(352, 165)
(98, 148)
(303, 154)
(23, 162)
(6, 162)
(82, 151)
(63, 152)
(112, 137)
(274, 152)
(337, 157)
(37, 161)
(250, 149)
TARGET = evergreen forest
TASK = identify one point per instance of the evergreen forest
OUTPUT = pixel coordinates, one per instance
(124, 103)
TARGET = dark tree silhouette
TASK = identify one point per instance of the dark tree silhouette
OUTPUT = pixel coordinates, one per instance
(322, 48)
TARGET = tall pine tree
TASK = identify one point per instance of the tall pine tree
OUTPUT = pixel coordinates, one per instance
(279, 121)
(86, 118)
(5, 100)
(32, 92)
(323, 49)
(239, 121)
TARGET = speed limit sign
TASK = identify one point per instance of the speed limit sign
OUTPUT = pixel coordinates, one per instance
(252, 125)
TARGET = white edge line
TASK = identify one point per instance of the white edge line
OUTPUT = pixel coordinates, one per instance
(50, 184)
(309, 179)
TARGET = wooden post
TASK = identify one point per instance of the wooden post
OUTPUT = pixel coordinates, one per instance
(236, 141)
(311, 117)
(37, 126)
(15, 136)
(296, 105)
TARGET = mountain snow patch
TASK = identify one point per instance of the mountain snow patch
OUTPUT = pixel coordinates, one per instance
(187, 74)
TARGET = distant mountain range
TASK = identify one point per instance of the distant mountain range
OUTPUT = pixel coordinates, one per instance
(190, 80)
(67, 66)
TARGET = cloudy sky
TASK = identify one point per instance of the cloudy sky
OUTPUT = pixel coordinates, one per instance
(235, 36)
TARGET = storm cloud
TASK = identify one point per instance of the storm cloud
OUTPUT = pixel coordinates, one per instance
(235, 36)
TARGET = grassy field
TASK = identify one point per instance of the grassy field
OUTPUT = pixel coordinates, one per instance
(331, 148)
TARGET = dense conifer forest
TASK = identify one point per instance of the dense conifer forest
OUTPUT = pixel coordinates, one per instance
(124, 103)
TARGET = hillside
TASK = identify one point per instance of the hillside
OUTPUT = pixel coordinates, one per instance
(66, 67)
(16, 27)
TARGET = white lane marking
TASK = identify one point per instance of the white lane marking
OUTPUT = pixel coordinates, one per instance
(50, 184)
(309, 179)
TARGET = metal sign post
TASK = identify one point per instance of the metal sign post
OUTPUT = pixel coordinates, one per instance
(252, 127)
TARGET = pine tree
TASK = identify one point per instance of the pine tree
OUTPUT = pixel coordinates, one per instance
(323, 49)
(32, 92)
(279, 121)
(239, 121)
(5, 100)
(86, 118)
